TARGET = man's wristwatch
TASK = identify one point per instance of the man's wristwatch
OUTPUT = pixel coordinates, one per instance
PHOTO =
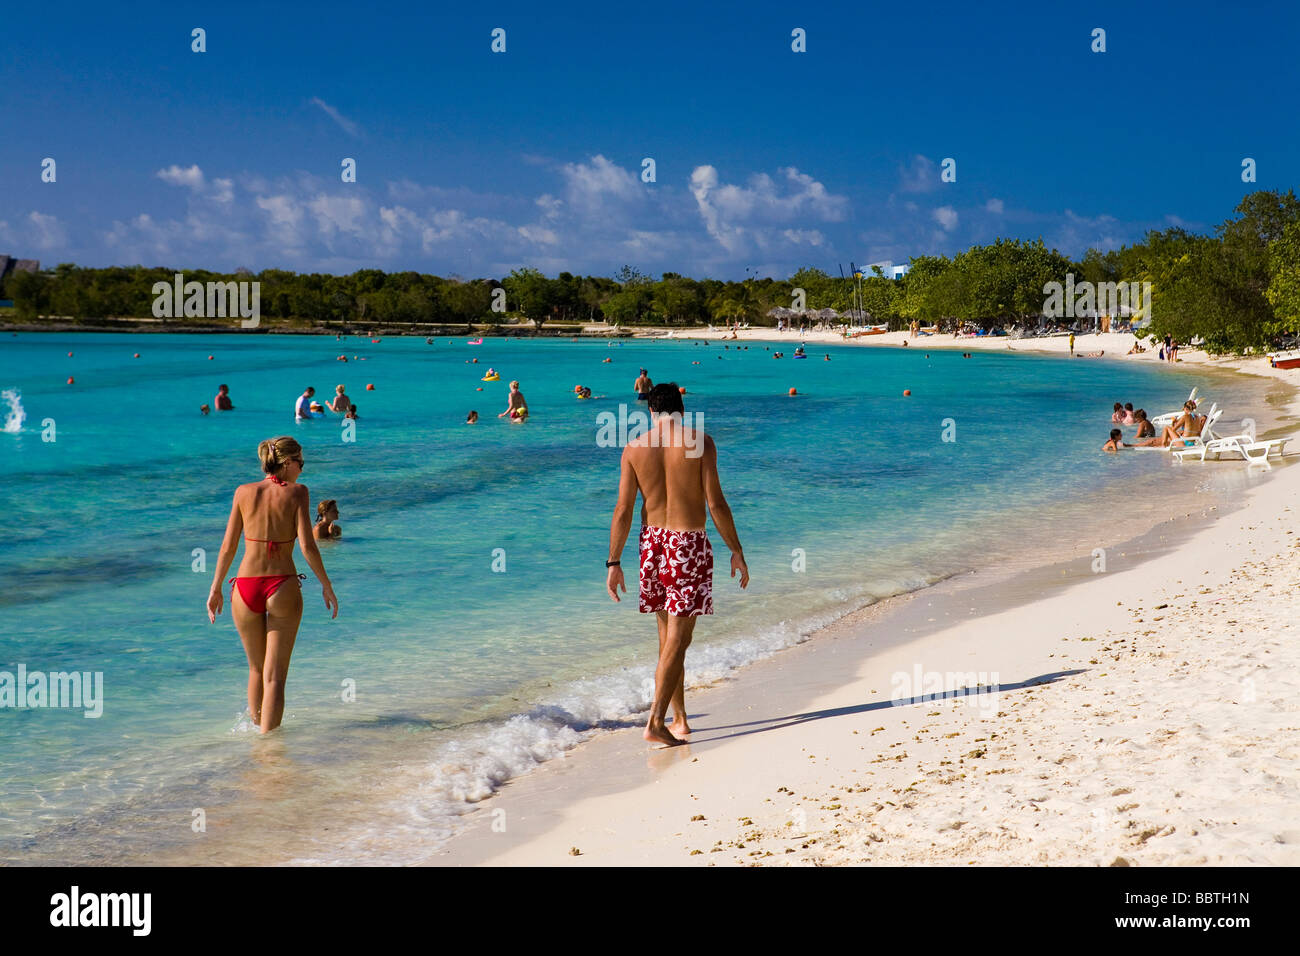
(611, 564)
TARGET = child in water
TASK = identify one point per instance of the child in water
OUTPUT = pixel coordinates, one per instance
(472, 418)
(1115, 444)
(327, 521)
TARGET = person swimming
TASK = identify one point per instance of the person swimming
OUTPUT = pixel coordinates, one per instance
(471, 418)
(327, 520)
(1115, 444)
(351, 412)
(222, 402)
(267, 614)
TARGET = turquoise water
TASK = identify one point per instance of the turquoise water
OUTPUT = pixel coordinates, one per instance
(465, 676)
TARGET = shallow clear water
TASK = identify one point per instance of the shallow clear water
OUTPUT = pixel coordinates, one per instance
(465, 676)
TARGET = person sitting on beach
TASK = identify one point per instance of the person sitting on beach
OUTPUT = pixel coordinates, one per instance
(675, 470)
(327, 520)
(517, 408)
(1117, 414)
(1115, 444)
(471, 418)
(302, 407)
(1185, 428)
(341, 402)
(222, 402)
(265, 611)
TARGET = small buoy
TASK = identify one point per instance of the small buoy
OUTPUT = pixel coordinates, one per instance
(793, 392)
(370, 388)
(603, 361)
(479, 389)
(137, 355)
(69, 355)
(209, 358)
(907, 391)
(70, 382)
(681, 389)
(373, 341)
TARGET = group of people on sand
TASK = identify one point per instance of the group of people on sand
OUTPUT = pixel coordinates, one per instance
(307, 407)
(679, 492)
(1183, 430)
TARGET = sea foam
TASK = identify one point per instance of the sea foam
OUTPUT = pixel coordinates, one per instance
(427, 798)
(14, 414)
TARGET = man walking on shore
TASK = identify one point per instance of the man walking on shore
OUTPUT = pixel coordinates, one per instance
(675, 469)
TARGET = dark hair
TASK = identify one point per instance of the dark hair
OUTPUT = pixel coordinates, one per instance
(666, 397)
(1140, 413)
(223, 388)
(1115, 433)
(1128, 406)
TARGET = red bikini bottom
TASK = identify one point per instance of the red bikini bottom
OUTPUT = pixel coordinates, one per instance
(256, 591)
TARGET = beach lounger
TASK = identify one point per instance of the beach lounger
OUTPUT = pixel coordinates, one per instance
(1251, 451)
(1195, 445)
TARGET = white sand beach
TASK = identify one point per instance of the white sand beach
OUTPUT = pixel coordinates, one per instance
(1146, 715)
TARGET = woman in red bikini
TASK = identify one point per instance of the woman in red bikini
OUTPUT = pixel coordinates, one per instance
(266, 599)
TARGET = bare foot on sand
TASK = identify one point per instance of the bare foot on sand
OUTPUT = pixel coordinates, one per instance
(660, 735)
(679, 728)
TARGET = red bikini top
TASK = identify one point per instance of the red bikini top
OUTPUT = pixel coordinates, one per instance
(272, 547)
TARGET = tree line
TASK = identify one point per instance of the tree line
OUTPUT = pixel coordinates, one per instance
(1236, 289)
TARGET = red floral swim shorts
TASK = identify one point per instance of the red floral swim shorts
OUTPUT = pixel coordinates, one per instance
(676, 572)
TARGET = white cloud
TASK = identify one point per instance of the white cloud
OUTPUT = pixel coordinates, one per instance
(921, 175)
(995, 206)
(946, 217)
(592, 187)
(191, 177)
(345, 124)
(735, 216)
(46, 231)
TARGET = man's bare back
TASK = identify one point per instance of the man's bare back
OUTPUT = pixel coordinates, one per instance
(668, 466)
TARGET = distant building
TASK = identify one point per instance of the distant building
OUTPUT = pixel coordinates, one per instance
(890, 270)
(9, 265)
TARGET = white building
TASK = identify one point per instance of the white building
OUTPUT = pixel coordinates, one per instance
(890, 270)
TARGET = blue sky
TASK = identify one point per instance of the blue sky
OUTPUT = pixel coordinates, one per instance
(473, 163)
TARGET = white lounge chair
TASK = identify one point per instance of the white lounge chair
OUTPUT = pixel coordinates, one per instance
(1251, 451)
(1194, 445)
